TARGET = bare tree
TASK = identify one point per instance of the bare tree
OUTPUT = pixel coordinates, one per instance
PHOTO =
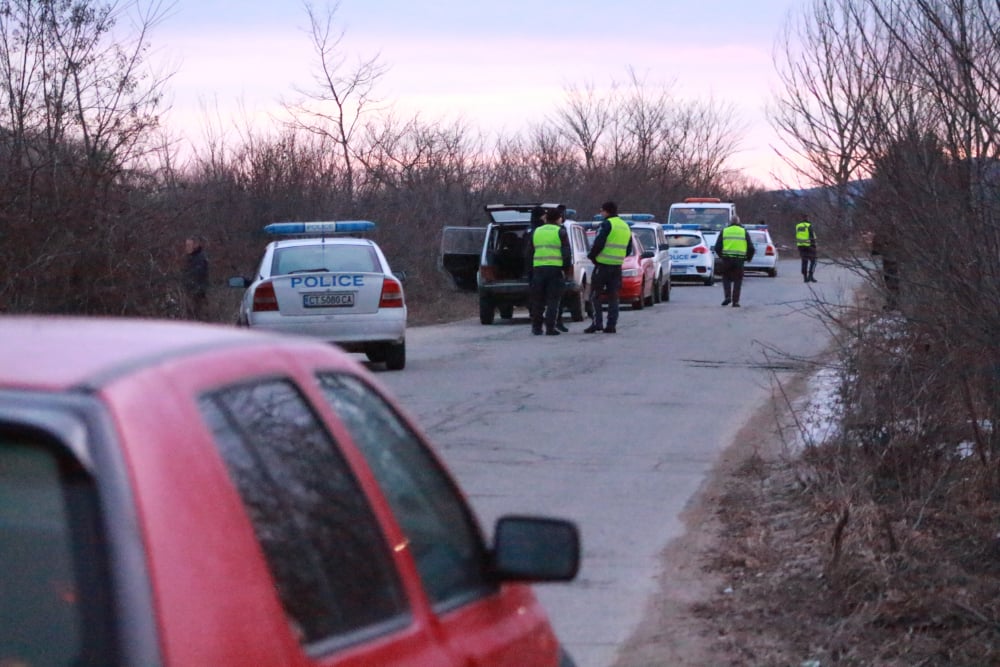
(78, 107)
(341, 96)
(584, 119)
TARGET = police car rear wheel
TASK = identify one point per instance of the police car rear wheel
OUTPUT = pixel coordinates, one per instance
(395, 356)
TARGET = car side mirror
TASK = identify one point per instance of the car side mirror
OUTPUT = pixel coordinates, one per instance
(400, 276)
(649, 254)
(239, 281)
(665, 246)
(535, 549)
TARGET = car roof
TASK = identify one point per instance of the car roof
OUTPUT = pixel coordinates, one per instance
(321, 240)
(58, 353)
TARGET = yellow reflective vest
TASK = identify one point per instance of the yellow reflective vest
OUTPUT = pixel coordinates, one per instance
(734, 242)
(803, 234)
(616, 245)
(548, 249)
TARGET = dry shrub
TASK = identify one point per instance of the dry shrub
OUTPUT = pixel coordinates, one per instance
(881, 546)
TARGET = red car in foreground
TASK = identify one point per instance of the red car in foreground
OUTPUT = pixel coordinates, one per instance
(184, 494)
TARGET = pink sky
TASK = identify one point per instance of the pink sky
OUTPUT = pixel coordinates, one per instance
(497, 67)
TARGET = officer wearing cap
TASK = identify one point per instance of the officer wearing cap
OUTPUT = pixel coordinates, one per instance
(612, 243)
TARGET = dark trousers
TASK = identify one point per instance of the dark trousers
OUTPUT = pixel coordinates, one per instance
(890, 274)
(547, 286)
(196, 306)
(808, 256)
(732, 278)
(606, 279)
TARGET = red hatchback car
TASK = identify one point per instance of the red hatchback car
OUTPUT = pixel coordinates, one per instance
(183, 494)
(638, 275)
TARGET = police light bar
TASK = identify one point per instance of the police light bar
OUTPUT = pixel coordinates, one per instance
(325, 227)
(681, 225)
(630, 217)
(637, 217)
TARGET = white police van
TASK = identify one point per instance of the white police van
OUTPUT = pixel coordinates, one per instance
(710, 214)
(327, 282)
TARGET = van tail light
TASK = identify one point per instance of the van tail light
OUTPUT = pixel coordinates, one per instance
(392, 294)
(487, 273)
(699, 250)
(770, 251)
(264, 298)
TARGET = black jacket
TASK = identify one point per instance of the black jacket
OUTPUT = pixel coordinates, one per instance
(196, 273)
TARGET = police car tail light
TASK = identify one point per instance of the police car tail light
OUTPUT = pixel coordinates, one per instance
(264, 298)
(699, 250)
(770, 251)
(392, 294)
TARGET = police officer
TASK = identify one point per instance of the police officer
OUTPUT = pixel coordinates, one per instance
(612, 244)
(551, 257)
(734, 248)
(805, 239)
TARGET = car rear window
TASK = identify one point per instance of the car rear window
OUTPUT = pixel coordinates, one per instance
(325, 257)
(55, 607)
(758, 237)
(647, 237)
(683, 240)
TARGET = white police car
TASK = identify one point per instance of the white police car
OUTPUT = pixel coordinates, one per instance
(330, 286)
(765, 257)
(690, 253)
(650, 234)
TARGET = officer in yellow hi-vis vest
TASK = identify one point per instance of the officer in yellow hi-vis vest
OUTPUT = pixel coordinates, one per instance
(612, 243)
(734, 248)
(551, 257)
(805, 240)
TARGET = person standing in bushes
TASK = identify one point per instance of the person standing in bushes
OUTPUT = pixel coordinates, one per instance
(194, 276)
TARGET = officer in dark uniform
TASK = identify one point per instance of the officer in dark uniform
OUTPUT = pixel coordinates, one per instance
(612, 243)
(805, 240)
(734, 247)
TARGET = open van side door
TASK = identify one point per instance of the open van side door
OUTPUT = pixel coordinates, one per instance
(461, 248)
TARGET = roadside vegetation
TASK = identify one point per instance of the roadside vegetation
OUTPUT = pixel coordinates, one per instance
(876, 542)
(875, 545)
